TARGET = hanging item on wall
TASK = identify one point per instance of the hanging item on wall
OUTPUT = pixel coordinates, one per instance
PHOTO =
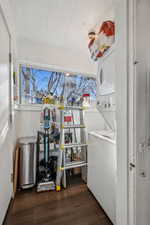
(100, 42)
(93, 44)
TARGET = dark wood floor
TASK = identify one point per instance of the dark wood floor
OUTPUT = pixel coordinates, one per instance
(73, 206)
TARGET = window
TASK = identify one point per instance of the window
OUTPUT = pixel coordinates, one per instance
(37, 83)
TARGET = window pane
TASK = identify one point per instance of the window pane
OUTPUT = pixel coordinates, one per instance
(37, 83)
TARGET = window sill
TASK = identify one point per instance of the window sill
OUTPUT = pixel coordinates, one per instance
(28, 107)
(38, 107)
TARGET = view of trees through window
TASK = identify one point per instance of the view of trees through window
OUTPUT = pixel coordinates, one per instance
(37, 83)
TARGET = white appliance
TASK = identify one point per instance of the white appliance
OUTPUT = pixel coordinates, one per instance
(102, 143)
(102, 172)
(106, 96)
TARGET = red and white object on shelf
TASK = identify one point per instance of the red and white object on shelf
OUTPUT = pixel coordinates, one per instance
(103, 40)
(86, 99)
(67, 118)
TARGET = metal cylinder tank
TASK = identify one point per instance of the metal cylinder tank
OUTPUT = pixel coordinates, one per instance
(27, 162)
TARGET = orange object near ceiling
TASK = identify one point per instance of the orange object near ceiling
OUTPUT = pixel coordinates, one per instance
(104, 39)
(108, 28)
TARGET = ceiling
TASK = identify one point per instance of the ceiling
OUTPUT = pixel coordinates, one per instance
(58, 24)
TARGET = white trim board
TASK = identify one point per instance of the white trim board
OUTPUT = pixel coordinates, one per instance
(132, 115)
(28, 107)
(122, 110)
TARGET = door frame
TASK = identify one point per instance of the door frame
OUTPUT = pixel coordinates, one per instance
(126, 126)
(132, 114)
(4, 131)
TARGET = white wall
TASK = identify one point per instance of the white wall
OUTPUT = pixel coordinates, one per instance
(56, 33)
(65, 58)
(5, 5)
(7, 144)
(28, 121)
(94, 120)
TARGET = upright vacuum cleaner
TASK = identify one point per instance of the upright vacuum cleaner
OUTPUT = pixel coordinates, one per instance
(45, 164)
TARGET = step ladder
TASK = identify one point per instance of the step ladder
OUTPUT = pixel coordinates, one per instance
(78, 144)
